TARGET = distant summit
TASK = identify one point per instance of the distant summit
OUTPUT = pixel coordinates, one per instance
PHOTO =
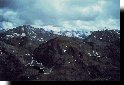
(32, 30)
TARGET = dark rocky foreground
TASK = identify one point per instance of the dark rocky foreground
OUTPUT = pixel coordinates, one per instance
(59, 58)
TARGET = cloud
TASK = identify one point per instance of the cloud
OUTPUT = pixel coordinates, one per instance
(91, 25)
(7, 25)
(10, 19)
(68, 14)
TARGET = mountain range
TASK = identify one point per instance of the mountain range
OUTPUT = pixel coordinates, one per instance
(29, 53)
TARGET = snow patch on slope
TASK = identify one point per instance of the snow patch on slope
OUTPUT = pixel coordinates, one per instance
(63, 31)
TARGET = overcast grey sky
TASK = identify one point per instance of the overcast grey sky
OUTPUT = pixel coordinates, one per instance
(67, 14)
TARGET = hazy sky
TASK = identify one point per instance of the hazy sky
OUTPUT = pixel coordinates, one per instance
(68, 14)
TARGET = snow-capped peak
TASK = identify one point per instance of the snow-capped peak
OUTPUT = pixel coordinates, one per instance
(34, 29)
(60, 31)
(48, 27)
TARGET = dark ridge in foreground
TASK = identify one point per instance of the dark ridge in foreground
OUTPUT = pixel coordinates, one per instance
(28, 54)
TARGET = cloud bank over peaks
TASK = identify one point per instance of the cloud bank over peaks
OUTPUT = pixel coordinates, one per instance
(61, 14)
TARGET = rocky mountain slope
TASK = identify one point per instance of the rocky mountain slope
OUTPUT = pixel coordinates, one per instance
(27, 53)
